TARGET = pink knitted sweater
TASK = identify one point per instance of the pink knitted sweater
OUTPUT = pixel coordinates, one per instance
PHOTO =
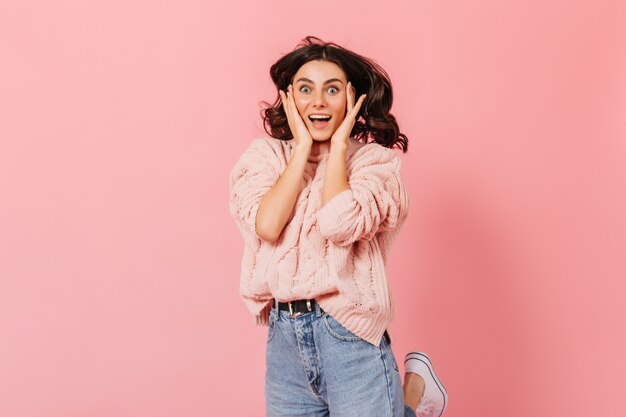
(336, 253)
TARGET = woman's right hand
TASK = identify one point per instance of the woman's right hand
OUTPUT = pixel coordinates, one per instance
(298, 128)
(278, 203)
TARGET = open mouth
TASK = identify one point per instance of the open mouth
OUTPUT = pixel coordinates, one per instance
(319, 121)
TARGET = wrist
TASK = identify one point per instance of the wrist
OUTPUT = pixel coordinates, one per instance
(302, 148)
(338, 148)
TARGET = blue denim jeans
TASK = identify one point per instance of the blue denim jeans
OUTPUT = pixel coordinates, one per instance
(316, 367)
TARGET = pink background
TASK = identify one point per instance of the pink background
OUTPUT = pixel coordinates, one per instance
(119, 262)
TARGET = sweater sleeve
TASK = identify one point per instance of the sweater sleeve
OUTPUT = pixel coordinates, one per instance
(376, 201)
(254, 174)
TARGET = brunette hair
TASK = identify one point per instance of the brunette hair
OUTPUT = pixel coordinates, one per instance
(366, 76)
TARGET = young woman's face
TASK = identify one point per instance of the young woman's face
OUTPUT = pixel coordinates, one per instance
(319, 87)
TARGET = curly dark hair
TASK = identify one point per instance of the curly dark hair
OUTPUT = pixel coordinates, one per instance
(367, 77)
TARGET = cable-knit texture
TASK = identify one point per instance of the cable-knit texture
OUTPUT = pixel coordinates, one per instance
(336, 253)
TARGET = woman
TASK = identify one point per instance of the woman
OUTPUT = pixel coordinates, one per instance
(319, 205)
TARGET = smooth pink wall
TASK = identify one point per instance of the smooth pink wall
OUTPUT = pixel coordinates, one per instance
(119, 262)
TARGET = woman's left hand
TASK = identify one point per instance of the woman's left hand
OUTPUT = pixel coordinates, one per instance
(342, 134)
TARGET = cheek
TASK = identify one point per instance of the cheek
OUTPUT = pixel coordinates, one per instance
(340, 105)
(340, 102)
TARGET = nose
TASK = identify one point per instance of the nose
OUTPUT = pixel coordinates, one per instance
(318, 99)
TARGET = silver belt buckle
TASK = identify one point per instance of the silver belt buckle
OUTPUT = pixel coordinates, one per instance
(293, 315)
(299, 313)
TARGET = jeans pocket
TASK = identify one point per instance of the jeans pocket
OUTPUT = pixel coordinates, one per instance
(337, 330)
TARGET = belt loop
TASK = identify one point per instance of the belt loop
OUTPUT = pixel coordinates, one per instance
(318, 309)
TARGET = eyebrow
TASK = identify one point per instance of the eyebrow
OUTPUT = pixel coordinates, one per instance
(325, 82)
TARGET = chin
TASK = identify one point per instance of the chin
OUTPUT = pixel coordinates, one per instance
(321, 138)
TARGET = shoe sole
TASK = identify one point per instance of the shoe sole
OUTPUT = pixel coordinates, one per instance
(422, 357)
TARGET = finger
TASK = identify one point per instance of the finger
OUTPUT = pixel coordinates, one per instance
(292, 105)
(357, 107)
(287, 108)
(285, 101)
(291, 99)
(350, 97)
(288, 100)
(294, 108)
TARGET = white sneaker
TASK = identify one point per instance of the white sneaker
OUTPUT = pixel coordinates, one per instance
(435, 398)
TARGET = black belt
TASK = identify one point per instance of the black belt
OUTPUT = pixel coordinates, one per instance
(298, 307)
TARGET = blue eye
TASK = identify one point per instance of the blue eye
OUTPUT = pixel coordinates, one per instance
(305, 89)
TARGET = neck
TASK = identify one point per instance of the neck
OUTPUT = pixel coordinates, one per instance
(320, 147)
